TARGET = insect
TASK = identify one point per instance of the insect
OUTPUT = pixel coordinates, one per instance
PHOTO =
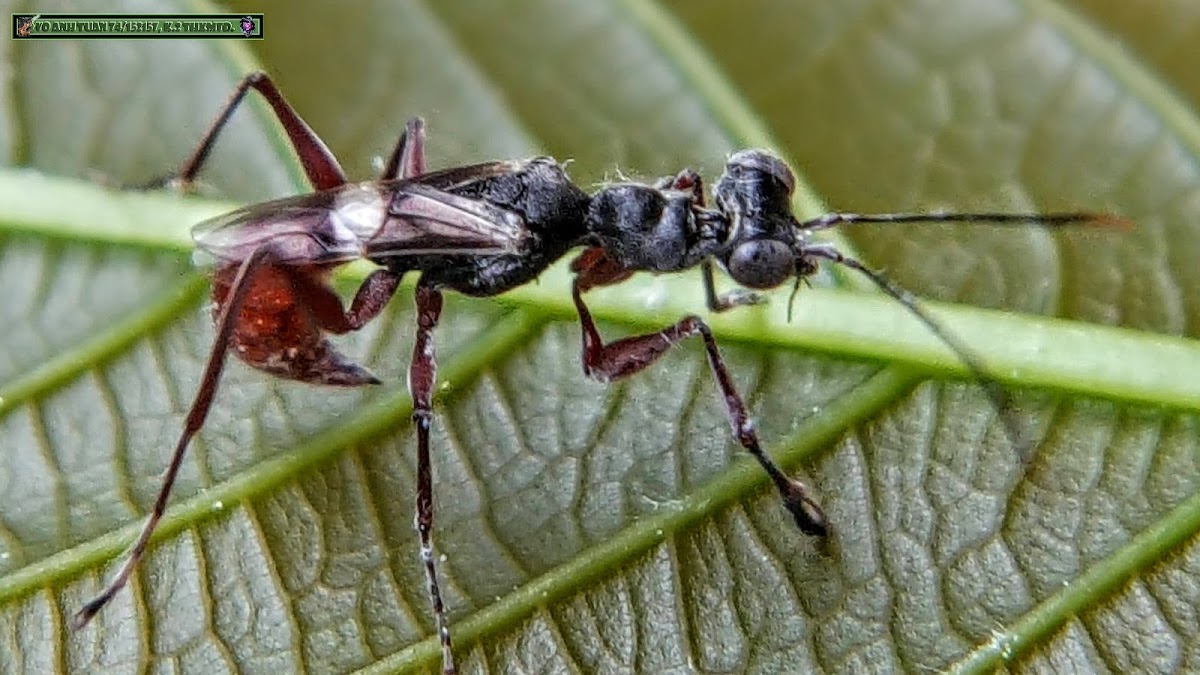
(482, 230)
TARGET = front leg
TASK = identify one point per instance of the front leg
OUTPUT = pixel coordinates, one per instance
(624, 357)
(722, 302)
(690, 181)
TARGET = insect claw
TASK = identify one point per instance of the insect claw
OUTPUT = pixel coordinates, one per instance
(84, 616)
(337, 370)
(808, 516)
(740, 298)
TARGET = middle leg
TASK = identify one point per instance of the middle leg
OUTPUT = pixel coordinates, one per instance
(422, 373)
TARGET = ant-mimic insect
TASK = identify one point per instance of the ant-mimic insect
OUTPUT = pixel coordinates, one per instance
(482, 230)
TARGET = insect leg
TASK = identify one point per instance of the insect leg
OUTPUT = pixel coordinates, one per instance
(688, 180)
(624, 357)
(421, 376)
(735, 298)
(372, 296)
(195, 420)
(326, 307)
(594, 268)
(408, 158)
(995, 392)
(319, 164)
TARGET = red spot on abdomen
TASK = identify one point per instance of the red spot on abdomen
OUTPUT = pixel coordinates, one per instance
(276, 333)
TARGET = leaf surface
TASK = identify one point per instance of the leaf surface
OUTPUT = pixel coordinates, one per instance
(593, 528)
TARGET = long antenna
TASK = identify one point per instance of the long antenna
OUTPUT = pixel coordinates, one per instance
(998, 395)
(831, 220)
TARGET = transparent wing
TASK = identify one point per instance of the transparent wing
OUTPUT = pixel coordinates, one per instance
(365, 219)
(297, 228)
(425, 218)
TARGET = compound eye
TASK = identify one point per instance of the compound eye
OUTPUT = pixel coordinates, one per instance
(761, 264)
(765, 162)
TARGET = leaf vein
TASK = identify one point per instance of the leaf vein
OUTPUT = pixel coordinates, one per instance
(107, 345)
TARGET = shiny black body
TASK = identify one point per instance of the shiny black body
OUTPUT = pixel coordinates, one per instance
(552, 211)
(654, 229)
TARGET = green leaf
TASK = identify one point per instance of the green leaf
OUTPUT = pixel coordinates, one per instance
(586, 527)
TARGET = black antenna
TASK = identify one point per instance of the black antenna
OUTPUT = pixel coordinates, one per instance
(831, 220)
(998, 395)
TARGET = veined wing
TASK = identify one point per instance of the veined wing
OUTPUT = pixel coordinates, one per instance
(421, 216)
(297, 228)
(458, 177)
(394, 218)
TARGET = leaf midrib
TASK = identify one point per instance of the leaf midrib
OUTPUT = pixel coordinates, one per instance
(1185, 126)
(847, 324)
